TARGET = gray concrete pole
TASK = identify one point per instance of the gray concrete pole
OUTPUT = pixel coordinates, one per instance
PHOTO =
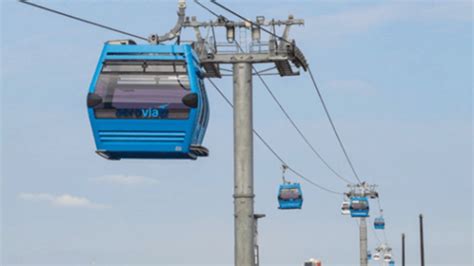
(243, 166)
(363, 242)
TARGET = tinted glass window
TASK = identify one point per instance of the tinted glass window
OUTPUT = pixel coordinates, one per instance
(135, 90)
(290, 193)
(359, 205)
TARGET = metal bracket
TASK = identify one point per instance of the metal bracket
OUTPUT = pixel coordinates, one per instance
(175, 31)
(284, 55)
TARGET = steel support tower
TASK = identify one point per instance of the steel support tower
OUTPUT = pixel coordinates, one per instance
(284, 55)
(362, 190)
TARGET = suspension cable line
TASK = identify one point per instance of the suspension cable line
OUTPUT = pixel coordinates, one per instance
(82, 20)
(209, 10)
(293, 123)
(312, 79)
(336, 133)
(249, 21)
(374, 232)
(333, 126)
(381, 213)
(272, 150)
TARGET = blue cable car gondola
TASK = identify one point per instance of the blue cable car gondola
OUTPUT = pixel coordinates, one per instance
(379, 223)
(391, 263)
(369, 255)
(290, 196)
(148, 102)
(359, 207)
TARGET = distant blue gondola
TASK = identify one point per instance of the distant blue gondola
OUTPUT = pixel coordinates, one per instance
(391, 263)
(369, 255)
(379, 223)
(148, 102)
(290, 196)
(359, 207)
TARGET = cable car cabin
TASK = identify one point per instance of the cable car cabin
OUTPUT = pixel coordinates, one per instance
(359, 207)
(345, 208)
(290, 196)
(391, 263)
(379, 223)
(148, 102)
(313, 262)
(376, 256)
(369, 255)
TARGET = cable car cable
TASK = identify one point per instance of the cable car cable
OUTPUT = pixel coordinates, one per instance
(270, 148)
(209, 10)
(293, 123)
(385, 236)
(312, 78)
(305, 139)
(328, 115)
(249, 21)
(374, 232)
(82, 20)
(381, 213)
(316, 88)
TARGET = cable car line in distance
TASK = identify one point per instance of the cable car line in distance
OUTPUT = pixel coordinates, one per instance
(375, 233)
(312, 78)
(333, 126)
(319, 95)
(272, 150)
(305, 139)
(82, 20)
(293, 123)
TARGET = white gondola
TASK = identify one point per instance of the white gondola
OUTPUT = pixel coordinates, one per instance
(387, 257)
(345, 208)
(376, 256)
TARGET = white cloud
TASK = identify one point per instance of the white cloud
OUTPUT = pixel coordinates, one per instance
(126, 180)
(64, 200)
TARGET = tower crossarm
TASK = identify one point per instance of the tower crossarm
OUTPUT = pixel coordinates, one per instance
(281, 51)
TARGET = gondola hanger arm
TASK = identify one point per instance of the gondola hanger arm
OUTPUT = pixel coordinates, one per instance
(175, 31)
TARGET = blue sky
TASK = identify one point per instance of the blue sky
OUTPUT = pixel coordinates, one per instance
(397, 76)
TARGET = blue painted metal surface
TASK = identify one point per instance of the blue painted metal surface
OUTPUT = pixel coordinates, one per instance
(147, 127)
(359, 207)
(290, 196)
(379, 223)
